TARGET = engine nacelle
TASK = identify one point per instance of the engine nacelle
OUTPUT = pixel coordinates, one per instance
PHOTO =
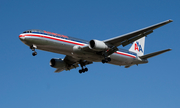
(98, 45)
(57, 63)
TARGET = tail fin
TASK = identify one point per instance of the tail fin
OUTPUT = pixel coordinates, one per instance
(138, 46)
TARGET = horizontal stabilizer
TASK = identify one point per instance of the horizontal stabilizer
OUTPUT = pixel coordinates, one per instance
(154, 54)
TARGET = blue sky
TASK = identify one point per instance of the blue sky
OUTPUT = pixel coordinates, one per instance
(29, 82)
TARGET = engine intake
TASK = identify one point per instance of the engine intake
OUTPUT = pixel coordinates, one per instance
(57, 63)
(98, 45)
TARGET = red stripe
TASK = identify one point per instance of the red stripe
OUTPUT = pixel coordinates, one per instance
(125, 54)
(54, 39)
(21, 36)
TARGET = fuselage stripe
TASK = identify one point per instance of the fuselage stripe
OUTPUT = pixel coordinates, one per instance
(49, 37)
(121, 53)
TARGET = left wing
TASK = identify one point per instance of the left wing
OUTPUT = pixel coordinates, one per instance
(72, 63)
(133, 36)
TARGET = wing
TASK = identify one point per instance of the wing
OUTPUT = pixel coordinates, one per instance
(133, 36)
(72, 62)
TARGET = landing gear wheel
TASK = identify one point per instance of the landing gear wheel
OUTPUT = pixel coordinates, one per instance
(33, 47)
(109, 59)
(80, 71)
(103, 61)
(86, 69)
(106, 60)
(83, 70)
(34, 53)
(83, 64)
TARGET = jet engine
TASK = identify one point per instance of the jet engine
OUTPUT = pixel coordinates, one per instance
(98, 45)
(57, 63)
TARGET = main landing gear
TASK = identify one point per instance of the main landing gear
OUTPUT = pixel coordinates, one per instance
(83, 70)
(106, 54)
(33, 47)
(106, 60)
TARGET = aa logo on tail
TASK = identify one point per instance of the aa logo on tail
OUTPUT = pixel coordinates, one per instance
(138, 47)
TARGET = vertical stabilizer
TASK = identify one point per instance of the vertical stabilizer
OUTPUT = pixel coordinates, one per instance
(138, 46)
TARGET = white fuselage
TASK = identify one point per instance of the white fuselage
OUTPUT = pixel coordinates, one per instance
(70, 46)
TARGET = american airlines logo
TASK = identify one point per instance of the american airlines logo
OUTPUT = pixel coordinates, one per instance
(138, 47)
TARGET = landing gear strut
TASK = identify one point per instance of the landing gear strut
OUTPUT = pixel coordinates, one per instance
(106, 54)
(33, 47)
(83, 70)
(106, 59)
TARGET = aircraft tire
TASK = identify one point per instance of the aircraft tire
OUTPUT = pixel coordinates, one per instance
(34, 53)
(83, 70)
(109, 59)
(80, 71)
(103, 61)
(86, 69)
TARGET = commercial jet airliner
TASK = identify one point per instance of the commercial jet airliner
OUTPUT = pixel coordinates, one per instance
(82, 52)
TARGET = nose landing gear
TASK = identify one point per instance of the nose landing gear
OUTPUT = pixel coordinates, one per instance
(34, 53)
(33, 47)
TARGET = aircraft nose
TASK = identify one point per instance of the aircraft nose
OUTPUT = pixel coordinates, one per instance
(21, 37)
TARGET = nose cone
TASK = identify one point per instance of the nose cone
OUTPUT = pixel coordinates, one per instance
(21, 37)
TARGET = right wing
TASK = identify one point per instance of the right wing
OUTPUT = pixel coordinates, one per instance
(133, 36)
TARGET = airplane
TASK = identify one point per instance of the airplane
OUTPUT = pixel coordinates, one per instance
(81, 52)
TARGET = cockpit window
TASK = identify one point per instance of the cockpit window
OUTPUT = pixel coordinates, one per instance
(27, 31)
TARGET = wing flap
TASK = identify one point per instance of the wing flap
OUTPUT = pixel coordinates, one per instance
(58, 70)
(154, 54)
(72, 63)
(135, 38)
